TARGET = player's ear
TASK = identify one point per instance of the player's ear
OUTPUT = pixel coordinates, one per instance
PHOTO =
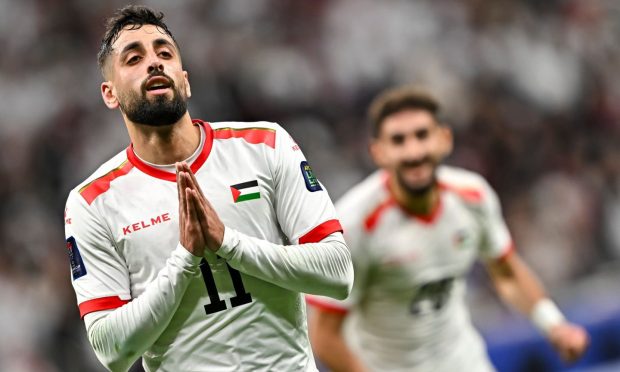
(447, 140)
(188, 89)
(108, 95)
(376, 152)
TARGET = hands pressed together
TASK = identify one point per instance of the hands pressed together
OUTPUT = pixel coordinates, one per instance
(199, 225)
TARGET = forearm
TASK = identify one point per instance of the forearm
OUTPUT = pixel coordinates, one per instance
(322, 268)
(121, 336)
(328, 342)
(516, 284)
(336, 355)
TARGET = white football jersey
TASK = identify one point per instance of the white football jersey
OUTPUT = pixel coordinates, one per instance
(407, 308)
(121, 226)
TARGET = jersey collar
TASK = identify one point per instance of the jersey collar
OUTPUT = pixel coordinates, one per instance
(429, 218)
(169, 176)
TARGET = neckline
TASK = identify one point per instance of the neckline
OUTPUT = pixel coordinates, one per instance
(427, 218)
(171, 176)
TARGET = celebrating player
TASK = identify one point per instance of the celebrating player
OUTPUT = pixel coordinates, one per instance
(191, 247)
(415, 228)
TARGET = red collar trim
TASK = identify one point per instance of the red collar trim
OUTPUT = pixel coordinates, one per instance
(172, 177)
(469, 194)
(372, 220)
(428, 218)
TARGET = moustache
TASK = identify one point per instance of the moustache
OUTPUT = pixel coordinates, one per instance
(416, 163)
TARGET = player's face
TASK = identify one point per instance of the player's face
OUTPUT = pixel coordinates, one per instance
(147, 80)
(411, 144)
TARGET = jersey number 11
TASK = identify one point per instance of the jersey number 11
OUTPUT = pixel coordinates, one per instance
(217, 304)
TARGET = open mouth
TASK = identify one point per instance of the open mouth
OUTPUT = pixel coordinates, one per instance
(158, 84)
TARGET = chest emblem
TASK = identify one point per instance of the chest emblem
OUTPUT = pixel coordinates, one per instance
(462, 239)
(245, 191)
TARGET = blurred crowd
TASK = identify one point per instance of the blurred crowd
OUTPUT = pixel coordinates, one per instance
(531, 89)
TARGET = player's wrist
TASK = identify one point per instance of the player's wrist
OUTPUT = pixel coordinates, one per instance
(545, 315)
(186, 255)
(230, 240)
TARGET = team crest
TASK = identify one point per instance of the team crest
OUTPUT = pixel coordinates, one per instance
(245, 191)
(312, 183)
(462, 239)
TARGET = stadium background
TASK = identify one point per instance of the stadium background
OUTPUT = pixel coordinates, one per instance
(531, 89)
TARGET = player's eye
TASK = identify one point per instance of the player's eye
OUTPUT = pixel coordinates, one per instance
(422, 134)
(165, 54)
(397, 139)
(133, 60)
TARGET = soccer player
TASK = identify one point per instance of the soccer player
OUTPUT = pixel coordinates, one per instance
(191, 247)
(415, 228)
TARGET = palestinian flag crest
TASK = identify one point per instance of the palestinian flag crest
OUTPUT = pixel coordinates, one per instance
(245, 191)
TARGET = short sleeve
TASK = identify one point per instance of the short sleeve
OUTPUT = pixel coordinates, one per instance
(99, 275)
(305, 211)
(497, 242)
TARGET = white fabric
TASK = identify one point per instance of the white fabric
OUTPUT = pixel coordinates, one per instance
(407, 310)
(127, 238)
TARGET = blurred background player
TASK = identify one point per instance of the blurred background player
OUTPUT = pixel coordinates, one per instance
(415, 228)
(216, 285)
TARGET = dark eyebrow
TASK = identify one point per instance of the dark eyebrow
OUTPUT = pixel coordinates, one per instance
(131, 46)
(163, 42)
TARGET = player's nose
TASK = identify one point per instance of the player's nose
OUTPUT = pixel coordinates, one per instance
(155, 65)
(414, 149)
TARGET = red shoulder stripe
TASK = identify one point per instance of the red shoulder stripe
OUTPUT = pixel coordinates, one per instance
(98, 304)
(320, 232)
(102, 184)
(371, 221)
(325, 306)
(469, 194)
(250, 135)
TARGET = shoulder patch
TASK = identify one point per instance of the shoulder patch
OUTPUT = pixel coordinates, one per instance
(312, 183)
(78, 269)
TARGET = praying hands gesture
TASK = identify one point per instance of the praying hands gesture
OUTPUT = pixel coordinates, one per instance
(199, 225)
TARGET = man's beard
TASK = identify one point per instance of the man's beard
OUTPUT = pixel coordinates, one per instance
(417, 190)
(159, 112)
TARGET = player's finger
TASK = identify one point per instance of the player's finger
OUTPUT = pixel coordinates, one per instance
(200, 214)
(193, 179)
(182, 200)
(190, 179)
(194, 183)
(203, 199)
(191, 210)
(186, 200)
